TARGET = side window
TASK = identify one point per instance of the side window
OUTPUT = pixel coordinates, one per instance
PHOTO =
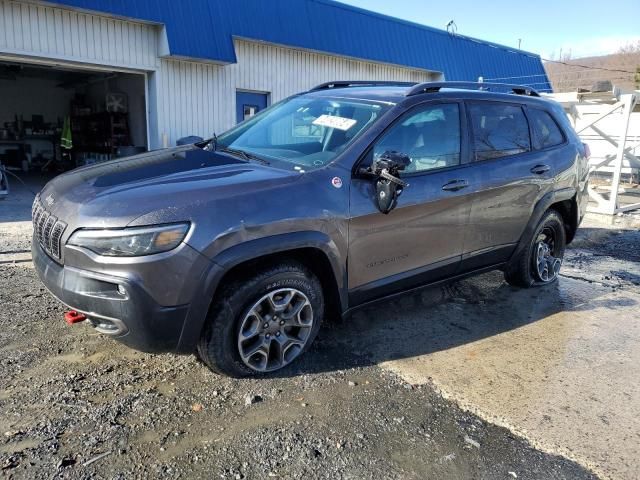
(546, 131)
(286, 131)
(498, 130)
(303, 126)
(295, 129)
(430, 136)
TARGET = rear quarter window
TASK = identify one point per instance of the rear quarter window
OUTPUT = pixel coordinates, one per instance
(499, 130)
(546, 132)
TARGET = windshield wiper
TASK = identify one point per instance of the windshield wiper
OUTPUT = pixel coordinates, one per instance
(241, 153)
(212, 145)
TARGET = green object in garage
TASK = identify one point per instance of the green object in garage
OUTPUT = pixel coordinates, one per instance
(66, 141)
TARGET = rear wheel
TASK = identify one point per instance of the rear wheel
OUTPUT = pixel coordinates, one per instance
(263, 322)
(540, 262)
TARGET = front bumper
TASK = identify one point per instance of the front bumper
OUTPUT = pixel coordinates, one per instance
(117, 306)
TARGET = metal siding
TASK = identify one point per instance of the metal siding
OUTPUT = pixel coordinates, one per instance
(187, 97)
(31, 30)
(204, 29)
(198, 98)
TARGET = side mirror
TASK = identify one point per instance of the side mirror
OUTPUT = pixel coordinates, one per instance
(389, 186)
(189, 140)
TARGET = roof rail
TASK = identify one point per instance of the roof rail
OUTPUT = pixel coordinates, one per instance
(433, 87)
(360, 83)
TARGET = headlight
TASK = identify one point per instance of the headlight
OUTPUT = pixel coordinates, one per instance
(131, 242)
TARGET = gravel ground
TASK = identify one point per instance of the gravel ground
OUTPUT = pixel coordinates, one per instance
(69, 395)
(74, 404)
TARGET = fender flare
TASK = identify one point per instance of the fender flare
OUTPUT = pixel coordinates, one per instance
(538, 211)
(261, 247)
(253, 250)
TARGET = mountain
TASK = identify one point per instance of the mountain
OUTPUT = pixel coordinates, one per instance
(571, 74)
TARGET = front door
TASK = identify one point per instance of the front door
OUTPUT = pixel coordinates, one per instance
(421, 240)
(249, 103)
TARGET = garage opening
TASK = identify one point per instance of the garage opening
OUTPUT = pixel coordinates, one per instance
(53, 119)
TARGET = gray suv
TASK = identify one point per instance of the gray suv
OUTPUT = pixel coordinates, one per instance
(238, 247)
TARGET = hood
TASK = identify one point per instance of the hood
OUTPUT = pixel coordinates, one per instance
(115, 193)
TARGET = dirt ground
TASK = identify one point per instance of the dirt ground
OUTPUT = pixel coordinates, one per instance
(416, 388)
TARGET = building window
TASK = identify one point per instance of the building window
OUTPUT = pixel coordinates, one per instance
(249, 111)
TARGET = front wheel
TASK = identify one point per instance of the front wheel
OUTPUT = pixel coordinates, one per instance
(540, 262)
(263, 322)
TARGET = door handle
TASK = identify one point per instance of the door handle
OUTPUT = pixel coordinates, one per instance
(540, 169)
(455, 185)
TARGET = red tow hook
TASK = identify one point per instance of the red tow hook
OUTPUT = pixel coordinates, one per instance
(74, 317)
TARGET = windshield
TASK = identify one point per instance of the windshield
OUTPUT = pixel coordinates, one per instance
(306, 133)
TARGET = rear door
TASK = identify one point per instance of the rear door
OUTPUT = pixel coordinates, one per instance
(421, 240)
(507, 178)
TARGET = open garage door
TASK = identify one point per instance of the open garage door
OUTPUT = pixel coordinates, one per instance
(57, 117)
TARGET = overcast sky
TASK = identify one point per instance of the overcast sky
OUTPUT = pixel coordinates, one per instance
(583, 27)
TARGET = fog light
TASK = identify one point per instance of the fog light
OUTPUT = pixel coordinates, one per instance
(122, 290)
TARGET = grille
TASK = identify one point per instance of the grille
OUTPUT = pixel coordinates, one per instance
(47, 229)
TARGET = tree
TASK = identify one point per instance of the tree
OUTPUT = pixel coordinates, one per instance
(630, 47)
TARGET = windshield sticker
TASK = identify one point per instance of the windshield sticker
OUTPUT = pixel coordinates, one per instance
(331, 121)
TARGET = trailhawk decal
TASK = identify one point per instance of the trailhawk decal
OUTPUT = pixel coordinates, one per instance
(379, 263)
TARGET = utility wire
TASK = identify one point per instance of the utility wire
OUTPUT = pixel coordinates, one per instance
(588, 67)
(563, 75)
(543, 75)
(514, 78)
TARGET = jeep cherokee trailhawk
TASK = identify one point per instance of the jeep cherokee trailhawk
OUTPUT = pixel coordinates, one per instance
(237, 247)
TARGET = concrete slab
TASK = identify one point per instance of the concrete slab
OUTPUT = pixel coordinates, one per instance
(15, 220)
(558, 365)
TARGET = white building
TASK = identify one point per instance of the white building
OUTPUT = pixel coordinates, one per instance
(128, 73)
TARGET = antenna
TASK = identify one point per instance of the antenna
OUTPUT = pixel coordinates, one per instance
(452, 28)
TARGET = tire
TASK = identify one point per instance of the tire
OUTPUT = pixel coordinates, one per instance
(523, 271)
(253, 302)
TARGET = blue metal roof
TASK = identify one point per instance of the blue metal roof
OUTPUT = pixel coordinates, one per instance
(204, 29)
